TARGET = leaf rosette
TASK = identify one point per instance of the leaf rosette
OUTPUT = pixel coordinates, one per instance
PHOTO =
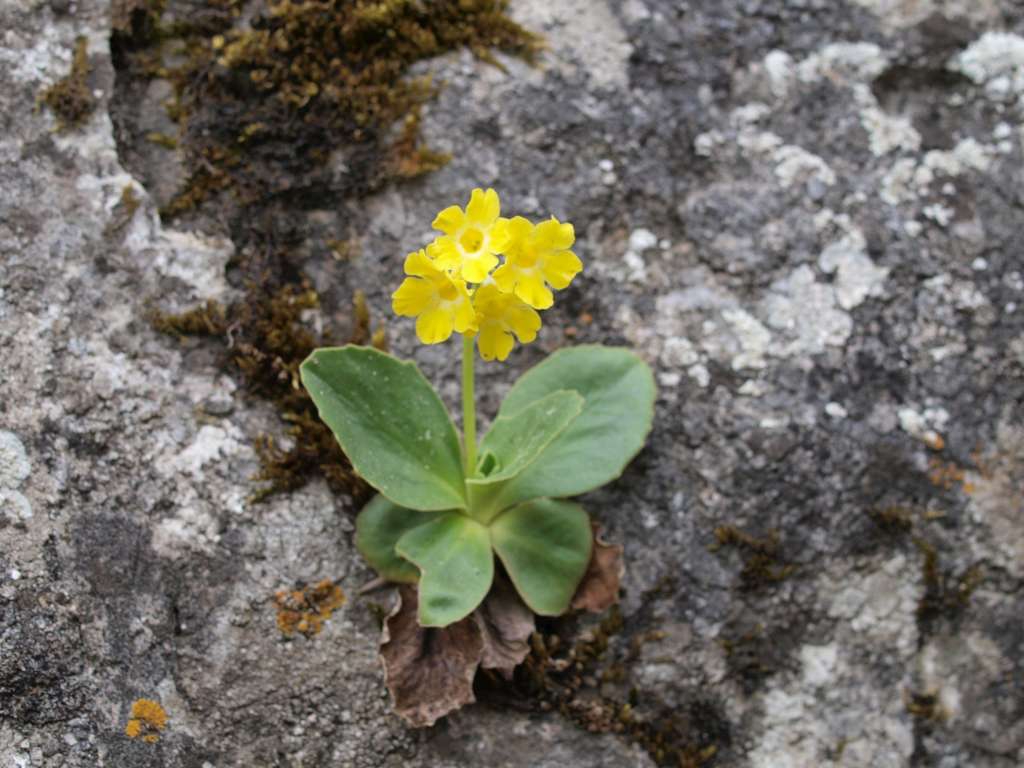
(569, 425)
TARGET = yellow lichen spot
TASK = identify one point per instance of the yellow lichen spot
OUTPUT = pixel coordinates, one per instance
(305, 610)
(148, 718)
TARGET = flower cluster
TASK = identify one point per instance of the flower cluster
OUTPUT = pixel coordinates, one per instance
(456, 283)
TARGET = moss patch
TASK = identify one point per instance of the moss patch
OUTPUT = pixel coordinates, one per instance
(945, 593)
(763, 565)
(892, 520)
(570, 678)
(752, 656)
(264, 107)
(266, 339)
(70, 98)
(925, 706)
(589, 681)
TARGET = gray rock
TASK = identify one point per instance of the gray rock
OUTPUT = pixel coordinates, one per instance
(813, 184)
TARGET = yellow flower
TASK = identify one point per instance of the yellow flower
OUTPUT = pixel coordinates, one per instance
(439, 302)
(498, 316)
(538, 256)
(472, 239)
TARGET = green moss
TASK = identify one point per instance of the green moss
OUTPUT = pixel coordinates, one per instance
(162, 140)
(946, 594)
(266, 340)
(70, 98)
(344, 250)
(126, 15)
(926, 706)
(124, 211)
(410, 158)
(300, 80)
(894, 520)
(210, 319)
(763, 565)
(750, 657)
(574, 680)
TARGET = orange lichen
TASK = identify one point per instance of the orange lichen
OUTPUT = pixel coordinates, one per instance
(947, 475)
(305, 610)
(148, 718)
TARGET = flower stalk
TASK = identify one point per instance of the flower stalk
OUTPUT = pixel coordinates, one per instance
(468, 407)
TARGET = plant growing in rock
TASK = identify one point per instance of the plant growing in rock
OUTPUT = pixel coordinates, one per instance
(445, 508)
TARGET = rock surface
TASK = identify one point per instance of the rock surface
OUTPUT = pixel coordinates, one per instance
(804, 214)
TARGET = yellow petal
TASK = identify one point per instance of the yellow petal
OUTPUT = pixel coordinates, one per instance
(494, 342)
(519, 228)
(418, 264)
(505, 278)
(523, 321)
(449, 220)
(484, 207)
(445, 254)
(531, 289)
(555, 236)
(412, 297)
(560, 267)
(485, 296)
(474, 270)
(434, 326)
(465, 315)
(500, 237)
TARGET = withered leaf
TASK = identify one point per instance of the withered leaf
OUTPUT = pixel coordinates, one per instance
(506, 625)
(429, 671)
(599, 589)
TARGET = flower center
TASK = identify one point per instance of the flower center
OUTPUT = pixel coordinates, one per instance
(471, 240)
(447, 291)
(526, 258)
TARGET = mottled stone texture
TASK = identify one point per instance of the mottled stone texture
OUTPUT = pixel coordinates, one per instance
(805, 214)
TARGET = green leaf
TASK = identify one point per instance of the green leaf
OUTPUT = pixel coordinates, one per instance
(545, 547)
(618, 389)
(517, 440)
(391, 425)
(456, 566)
(513, 442)
(379, 526)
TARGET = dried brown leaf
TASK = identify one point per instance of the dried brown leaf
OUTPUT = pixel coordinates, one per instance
(506, 625)
(428, 671)
(599, 589)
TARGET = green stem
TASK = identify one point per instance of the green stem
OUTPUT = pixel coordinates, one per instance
(468, 406)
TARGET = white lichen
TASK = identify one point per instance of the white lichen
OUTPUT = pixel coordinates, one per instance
(753, 338)
(14, 505)
(857, 277)
(995, 61)
(844, 62)
(886, 133)
(14, 463)
(794, 164)
(212, 443)
(805, 312)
